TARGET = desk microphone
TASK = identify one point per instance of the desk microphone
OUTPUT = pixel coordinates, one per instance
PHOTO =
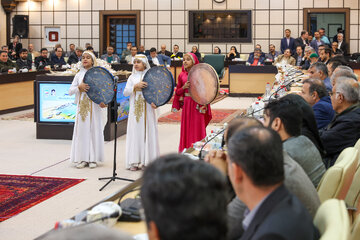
(217, 134)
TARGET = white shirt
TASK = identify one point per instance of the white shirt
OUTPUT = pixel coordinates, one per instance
(339, 44)
(155, 61)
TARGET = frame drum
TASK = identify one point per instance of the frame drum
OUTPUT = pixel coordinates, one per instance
(204, 83)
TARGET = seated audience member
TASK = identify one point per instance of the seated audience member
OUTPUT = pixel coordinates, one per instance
(256, 171)
(285, 59)
(296, 179)
(325, 56)
(14, 48)
(130, 58)
(57, 60)
(91, 49)
(176, 53)
(344, 130)
(319, 70)
(71, 50)
(272, 53)
(195, 51)
(335, 50)
(305, 63)
(42, 61)
(110, 56)
(302, 40)
(342, 71)
(310, 37)
(316, 42)
(164, 51)
(332, 65)
(52, 52)
(159, 59)
(23, 62)
(256, 59)
(32, 54)
(216, 50)
(342, 45)
(5, 62)
(184, 199)
(339, 30)
(233, 54)
(309, 127)
(75, 57)
(285, 117)
(93, 231)
(127, 51)
(314, 58)
(299, 56)
(287, 42)
(315, 93)
(143, 51)
(5, 48)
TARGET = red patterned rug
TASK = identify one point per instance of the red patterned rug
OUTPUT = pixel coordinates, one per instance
(218, 116)
(19, 192)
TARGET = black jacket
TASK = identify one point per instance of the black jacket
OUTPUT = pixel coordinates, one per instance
(167, 53)
(299, 42)
(24, 63)
(342, 132)
(41, 62)
(17, 48)
(345, 48)
(281, 216)
(73, 59)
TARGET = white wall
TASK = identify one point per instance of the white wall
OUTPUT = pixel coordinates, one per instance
(166, 21)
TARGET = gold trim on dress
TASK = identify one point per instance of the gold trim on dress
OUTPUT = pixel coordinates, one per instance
(85, 107)
(139, 107)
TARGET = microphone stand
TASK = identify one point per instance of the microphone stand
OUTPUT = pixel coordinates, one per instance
(114, 176)
(217, 134)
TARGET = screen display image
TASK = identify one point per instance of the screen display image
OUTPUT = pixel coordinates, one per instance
(123, 102)
(55, 104)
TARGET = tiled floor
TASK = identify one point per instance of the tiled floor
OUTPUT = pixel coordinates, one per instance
(21, 153)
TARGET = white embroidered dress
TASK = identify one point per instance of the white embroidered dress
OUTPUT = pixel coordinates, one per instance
(142, 144)
(88, 137)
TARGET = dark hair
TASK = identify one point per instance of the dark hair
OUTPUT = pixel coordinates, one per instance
(240, 123)
(186, 199)
(58, 48)
(316, 85)
(43, 49)
(287, 30)
(334, 64)
(236, 51)
(328, 51)
(2, 51)
(176, 45)
(339, 30)
(311, 34)
(152, 49)
(322, 45)
(303, 32)
(134, 47)
(128, 43)
(259, 152)
(289, 113)
(322, 29)
(297, 47)
(218, 48)
(90, 48)
(23, 50)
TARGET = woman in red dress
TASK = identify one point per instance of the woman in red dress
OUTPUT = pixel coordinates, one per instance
(194, 117)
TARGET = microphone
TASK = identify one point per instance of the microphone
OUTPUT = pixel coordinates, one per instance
(209, 140)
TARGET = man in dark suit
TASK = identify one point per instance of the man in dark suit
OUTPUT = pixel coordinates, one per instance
(299, 56)
(256, 172)
(342, 45)
(302, 40)
(159, 59)
(23, 62)
(164, 51)
(75, 57)
(288, 42)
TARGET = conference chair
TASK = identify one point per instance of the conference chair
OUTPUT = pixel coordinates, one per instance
(217, 62)
(352, 198)
(336, 181)
(332, 220)
(355, 231)
(357, 145)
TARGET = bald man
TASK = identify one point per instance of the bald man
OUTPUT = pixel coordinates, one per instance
(164, 51)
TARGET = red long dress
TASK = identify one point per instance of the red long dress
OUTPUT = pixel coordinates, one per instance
(193, 123)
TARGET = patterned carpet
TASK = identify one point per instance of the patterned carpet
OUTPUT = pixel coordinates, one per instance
(218, 116)
(19, 192)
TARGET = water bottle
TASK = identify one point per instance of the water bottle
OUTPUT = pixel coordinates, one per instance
(267, 90)
(33, 68)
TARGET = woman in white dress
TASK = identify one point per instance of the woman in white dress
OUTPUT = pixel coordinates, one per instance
(87, 147)
(142, 144)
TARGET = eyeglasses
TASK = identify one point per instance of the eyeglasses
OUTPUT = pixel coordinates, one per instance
(332, 93)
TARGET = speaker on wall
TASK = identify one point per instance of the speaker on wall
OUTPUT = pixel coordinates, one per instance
(21, 26)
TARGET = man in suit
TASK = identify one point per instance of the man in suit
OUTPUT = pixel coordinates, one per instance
(23, 62)
(159, 59)
(319, 70)
(164, 51)
(57, 60)
(288, 42)
(342, 45)
(302, 40)
(272, 53)
(299, 56)
(75, 57)
(256, 58)
(176, 53)
(110, 56)
(316, 42)
(43, 60)
(256, 171)
(315, 94)
(130, 58)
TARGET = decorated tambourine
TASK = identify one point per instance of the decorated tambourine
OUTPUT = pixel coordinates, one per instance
(101, 83)
(160, 87)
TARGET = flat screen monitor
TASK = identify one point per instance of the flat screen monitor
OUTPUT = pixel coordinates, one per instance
(123, 102)
(54, 103)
